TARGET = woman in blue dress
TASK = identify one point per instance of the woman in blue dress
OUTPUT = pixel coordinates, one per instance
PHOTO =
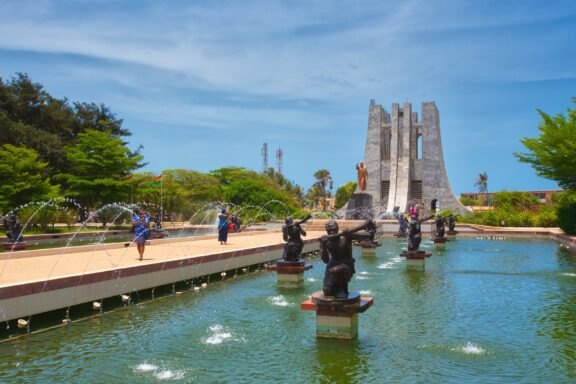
(141, 225)
(223, 227)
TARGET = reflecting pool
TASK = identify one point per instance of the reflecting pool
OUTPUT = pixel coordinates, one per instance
(496, 311)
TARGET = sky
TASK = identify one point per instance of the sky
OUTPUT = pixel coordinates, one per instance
(203, 84)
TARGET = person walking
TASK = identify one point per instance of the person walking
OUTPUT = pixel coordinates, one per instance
(141, 225)
(223, 227)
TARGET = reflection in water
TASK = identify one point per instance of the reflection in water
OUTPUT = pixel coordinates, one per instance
(558, 316)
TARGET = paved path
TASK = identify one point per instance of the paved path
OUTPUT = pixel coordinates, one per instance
(17, 270)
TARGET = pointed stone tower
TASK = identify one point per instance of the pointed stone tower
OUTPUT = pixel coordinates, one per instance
(404, 160)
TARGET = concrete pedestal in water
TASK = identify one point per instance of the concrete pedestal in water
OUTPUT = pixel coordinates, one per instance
(337, 318)
(451, 235)
(415, 259)
(290, 274)
(440, 242)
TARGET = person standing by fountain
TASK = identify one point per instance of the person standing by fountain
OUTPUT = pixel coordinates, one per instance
(141, 225)
(223, 227)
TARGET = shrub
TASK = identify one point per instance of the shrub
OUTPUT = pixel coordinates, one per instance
(566, 212)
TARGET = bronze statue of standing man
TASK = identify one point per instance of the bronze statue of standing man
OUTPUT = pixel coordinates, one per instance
(362, 176)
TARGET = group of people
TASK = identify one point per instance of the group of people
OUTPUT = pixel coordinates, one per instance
(227, 223)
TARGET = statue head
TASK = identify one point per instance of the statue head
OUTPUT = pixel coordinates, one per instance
(289, 220)
(331, 227)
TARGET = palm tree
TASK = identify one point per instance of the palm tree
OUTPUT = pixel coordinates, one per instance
(323, 179)
(482, 184)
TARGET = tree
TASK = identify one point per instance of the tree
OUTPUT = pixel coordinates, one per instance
(553, 153)
(482, 184)
(23, 177)
(343, 194)
(566, 212)
(30, 117)
(99, 166)
(319, 189)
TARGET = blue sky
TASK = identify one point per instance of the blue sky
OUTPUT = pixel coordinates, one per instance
(203, 84)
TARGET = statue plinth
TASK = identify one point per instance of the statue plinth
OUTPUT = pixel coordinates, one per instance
(15, 246)
(359, 207)
(368, 244)
(337, 318)
(415, 259)
(440, 240)
(290, 274)
(451, 234)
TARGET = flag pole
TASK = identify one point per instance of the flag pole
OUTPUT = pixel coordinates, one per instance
(161, 202)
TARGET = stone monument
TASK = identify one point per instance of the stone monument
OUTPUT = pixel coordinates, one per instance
(404, 158)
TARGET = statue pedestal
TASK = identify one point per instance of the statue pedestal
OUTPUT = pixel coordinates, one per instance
(451, 235)
(415, 259)
(15, 246)
(368, 244)
(290, 274)
(359, 207)
(337, 318)
(440, 242)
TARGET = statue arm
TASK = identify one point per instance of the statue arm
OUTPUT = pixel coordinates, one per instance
(284, 233)
(302, 232)
(324, 250)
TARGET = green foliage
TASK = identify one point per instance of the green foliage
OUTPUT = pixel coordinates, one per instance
(184, 191)
(511, 218)
(23, 177)
(32, 118)
(468, 201)
(257, 193)
(321, 189)
(553, 153)
(42, 216)
(99, 165)
(343, 194)
(515, 201)
(566, 211)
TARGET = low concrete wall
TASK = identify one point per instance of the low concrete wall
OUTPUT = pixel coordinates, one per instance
(30, 298)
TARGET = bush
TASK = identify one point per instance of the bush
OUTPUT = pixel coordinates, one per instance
(343, 194)
(546, 217)
(468, 201)
(38, 215)
(566, 212)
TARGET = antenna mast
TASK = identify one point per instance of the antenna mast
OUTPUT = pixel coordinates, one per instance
(279, 155)
(264, 158)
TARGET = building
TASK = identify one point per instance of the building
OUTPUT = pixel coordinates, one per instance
(404, 159)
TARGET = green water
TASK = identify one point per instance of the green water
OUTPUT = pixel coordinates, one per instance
(484, 311)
